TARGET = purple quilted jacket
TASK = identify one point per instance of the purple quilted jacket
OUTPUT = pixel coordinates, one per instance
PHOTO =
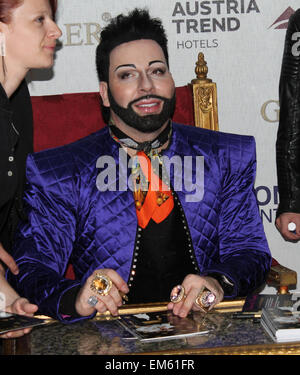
(70, 219)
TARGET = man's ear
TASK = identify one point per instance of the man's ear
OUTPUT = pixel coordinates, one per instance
(103, 93)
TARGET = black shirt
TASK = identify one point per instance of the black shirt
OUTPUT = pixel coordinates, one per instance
(16, 141)
(163, 257)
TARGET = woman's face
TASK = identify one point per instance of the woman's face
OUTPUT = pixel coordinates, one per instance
(30, 36)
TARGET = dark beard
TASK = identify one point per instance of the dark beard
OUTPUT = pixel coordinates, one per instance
(148, 123)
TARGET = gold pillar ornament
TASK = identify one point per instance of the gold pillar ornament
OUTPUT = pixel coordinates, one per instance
(205, 97)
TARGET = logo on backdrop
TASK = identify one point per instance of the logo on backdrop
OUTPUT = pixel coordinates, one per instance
(267, 199)
(282, 21)
(87, 34)
(194, 19)
(270, 111)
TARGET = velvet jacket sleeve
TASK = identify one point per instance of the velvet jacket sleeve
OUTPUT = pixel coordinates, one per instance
(44, 244)
(244, 255)
(288, 136)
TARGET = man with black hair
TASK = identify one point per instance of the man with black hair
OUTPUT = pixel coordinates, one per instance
(145, 209)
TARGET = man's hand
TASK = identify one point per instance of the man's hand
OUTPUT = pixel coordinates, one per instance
(8, 260)
(110, 302)
(20, 306)
(193, 285)
(282, 223)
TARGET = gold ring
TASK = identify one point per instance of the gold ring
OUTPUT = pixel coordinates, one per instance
(177, 294)
(205, 299)
(101, 284)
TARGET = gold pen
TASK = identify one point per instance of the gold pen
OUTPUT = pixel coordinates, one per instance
(245, 315)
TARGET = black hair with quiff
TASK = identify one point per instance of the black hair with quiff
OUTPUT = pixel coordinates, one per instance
(136, 25)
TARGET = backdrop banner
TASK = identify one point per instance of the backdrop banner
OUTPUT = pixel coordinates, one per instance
(242, 41)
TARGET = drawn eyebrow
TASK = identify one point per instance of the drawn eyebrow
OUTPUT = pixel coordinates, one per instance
(156, 61)
(133, 66)
(125, 65)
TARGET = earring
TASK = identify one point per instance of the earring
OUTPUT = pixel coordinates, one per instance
(2, 44)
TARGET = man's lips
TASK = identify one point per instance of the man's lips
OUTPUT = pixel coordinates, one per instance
(148, 106)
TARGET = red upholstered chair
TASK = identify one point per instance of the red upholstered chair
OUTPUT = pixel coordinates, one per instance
(65, 118)
(61, 119)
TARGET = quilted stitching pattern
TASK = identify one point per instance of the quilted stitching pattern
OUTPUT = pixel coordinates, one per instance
(69, 215)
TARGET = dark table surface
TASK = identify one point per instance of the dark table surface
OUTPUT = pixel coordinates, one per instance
(107, 337)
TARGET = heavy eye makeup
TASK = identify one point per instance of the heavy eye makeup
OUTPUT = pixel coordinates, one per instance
(126, 74)
(154, 71)
(158, 71)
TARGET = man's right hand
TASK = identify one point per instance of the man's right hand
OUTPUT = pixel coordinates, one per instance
(282, 223)
(110, 302)
(8, 260)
